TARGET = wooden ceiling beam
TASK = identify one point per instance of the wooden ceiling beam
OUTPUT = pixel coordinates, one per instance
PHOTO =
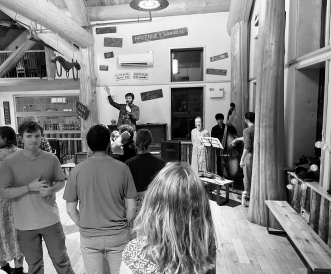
(180, 7)
(55, 41)
(52, 18)
(240, 10)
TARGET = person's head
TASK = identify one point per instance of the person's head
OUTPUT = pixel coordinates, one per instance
(7, 136)
(31, 135)
(176, 221)
(143, 140)
(127, 128)
(129, 97)
(198, 122)
(98, 138)
(29, 119)
(219, 118)
(250, 117)
(114, 135)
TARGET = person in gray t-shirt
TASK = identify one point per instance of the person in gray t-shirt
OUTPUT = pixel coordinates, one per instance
(105, 191)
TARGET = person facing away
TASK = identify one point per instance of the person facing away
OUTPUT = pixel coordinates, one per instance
(246, 162)
(199, 151)
(31, 177)
(123, 147)
(9, 248)
(129, 112)
(44, 144)
(175, 231)
(144, 166)
(106, 194)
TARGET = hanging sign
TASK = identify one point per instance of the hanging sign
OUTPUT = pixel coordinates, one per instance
(159, 35)
(103, 67)
(122, 76)
(6, 110)
(113, 42)
(140, 75)
(82, 110)
(109, 55)
(216, 71)
(219, 57)
(105, 30)
(150, 95)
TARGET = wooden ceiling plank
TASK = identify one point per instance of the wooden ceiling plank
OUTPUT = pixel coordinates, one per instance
(52, 18)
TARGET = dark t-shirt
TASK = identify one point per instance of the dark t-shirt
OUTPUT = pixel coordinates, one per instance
(129, 151)
(101, 186)
(143, 168)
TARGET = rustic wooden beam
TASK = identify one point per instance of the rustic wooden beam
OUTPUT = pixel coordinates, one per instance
(52, 39)
(50, 67)
(12, 60)
(88, 78)
(323, 223)
(315, 202)
(25, 84)
(175, 8)
(52, 18)
(268, 167)
(239, 11)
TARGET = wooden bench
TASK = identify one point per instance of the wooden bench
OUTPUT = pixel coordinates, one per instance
(311, 248)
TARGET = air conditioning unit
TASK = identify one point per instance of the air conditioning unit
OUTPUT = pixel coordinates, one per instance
(136, 60)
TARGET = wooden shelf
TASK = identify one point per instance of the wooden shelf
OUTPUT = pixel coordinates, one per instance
(61, 131)
(319, 189)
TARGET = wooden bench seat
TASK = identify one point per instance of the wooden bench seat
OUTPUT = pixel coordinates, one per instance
(315, 252)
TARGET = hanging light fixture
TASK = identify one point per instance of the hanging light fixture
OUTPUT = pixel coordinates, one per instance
(149, 5)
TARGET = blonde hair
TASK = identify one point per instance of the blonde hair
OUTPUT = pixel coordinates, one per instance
(144, 139)
(176, 222)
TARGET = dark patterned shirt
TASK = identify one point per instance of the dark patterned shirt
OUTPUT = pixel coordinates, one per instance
(124, 117)
(217, 132)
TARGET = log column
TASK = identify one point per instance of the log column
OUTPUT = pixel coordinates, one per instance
(239, 73)
(50, 67)
(88, 79)
(268, 167)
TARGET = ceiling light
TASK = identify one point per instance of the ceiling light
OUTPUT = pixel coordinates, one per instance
(149, 5)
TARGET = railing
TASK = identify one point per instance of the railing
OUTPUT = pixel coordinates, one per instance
(31, 64)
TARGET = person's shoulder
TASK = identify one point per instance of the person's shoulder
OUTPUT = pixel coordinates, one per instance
(47, 155)
(214, 127)
(17, 154)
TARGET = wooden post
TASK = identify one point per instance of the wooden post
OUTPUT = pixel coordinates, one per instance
(268, 163)
(329, 232)
(87, 94)
(239, 73)
(315, 202)
(50, 67)
(11, 61)
(52, 18)
(323, 224)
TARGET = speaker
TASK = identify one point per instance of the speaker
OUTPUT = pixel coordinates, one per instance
(55, 144)
(171, 151)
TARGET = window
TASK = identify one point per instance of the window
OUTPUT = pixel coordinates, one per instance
(186, 65)
(186, 105)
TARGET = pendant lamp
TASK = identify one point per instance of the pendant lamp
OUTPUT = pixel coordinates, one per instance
(149, 5)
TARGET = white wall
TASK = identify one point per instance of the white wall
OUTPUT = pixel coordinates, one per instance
(206, 30)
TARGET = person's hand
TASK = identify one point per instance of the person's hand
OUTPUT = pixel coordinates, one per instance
(242, 164)
(128, 109)
(107, 90)
(125, 135)
(233, 143)
(36, 184)
(45, 191)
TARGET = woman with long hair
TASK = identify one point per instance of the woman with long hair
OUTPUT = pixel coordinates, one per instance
(144, 166)
(175, 231)
(9, 248)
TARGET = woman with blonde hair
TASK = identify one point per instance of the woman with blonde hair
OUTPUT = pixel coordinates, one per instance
(175, 231)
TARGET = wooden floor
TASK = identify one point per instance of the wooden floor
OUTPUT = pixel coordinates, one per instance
(243, 247)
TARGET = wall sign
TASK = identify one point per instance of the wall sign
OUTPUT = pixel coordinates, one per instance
(122, 76)
(109, 55)
(150, 95)
(219, 57)
(159, 35)
(105, 30)
(216, 71)
(113, 42)
(82, 110)
(140, 76)
(103, 67)
(6, 111)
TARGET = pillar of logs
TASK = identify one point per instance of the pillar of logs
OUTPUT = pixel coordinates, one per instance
(87, 94)
(268, 167)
